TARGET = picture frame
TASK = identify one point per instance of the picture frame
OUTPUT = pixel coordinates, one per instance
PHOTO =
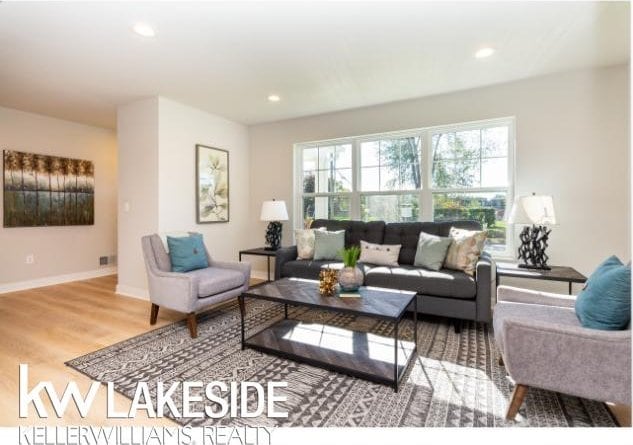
(46, 190)
(212, 185)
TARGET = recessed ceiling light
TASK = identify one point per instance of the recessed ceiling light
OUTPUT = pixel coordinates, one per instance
(274, 98)
(143, 29)
(484, 52)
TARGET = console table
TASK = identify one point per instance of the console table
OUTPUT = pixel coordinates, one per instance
(557, 273)
(260, 251)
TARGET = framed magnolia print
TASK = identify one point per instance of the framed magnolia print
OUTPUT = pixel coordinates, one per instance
(212, 184)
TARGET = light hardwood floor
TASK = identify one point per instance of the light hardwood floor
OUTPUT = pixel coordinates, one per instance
(47, 326)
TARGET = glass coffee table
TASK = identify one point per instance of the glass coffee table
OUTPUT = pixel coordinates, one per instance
(360, 354)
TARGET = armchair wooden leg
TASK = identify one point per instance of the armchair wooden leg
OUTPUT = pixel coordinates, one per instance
(153, 315)
(518, 395)
(193, 324)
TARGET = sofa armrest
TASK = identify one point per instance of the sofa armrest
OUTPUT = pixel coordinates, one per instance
(570, 359)
(486, 279)
(283, 255)
(527, 296)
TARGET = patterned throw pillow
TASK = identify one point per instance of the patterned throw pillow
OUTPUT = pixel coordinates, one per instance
(465, 250)
(379, 254)
(305, 243)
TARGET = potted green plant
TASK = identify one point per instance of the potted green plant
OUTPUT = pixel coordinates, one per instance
(350, 277)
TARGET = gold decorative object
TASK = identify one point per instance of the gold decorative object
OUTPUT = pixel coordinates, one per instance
(327, 282)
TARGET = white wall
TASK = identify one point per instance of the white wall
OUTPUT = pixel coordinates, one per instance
(180, 128)
(572, 133)
(157, 139)
(60, 253)
(137, 132)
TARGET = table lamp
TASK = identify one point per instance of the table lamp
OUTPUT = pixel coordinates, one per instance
(536, 212)
(273, 211)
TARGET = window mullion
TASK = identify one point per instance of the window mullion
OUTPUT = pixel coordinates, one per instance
(426, 199)
(356, 172)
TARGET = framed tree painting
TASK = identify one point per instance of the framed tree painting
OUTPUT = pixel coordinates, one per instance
(43, 190)
(212, 184)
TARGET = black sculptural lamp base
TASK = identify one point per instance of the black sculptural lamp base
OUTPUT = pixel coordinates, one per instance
(532, 249)
(273, 235)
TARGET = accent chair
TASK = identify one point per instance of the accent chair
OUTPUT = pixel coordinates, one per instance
(193, 291)
(543, 345)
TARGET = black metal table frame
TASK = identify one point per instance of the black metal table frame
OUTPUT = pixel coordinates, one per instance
(267, 255)
(570, 281)
(315, 362)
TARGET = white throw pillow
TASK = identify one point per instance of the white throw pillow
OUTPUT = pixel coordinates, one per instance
(379, 254)
(305, 243)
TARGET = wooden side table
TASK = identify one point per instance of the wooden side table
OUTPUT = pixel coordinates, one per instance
(557, 273)
(260, 251)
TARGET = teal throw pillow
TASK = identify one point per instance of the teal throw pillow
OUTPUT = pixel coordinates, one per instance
(605, 301)
(187, 253)
(431, 251)
(328, 245)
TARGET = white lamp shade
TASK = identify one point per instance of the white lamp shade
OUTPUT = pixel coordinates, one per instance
(274, 211)
(533, 209)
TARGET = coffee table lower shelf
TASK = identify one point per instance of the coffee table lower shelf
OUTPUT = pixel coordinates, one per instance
(360, 354)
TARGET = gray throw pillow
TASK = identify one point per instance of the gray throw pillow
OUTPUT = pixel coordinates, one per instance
(328, 245)
(431, 251)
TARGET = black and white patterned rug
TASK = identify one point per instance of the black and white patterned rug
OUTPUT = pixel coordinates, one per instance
(455, 380)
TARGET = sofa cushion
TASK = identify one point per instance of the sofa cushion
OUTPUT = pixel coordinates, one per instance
(465, 250)
(442, 283)
(431, 251)
(379, 254)
(355, 231)
(407, 234)
(307, 269)
(215, 280)
(305, 243)
(328, 245)
(444, 227)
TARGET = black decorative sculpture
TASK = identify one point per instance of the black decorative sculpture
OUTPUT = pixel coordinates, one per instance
(273, 235)
(533, 244)
(537, 213)
(274, 211)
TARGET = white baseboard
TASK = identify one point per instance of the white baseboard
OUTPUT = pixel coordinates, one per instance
(57, 279)
(131, 291)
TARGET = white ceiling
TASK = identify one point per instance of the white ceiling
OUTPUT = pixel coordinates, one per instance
(79, 61)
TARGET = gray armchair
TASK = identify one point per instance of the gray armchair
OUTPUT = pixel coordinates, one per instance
(543, 345)
(192, 291)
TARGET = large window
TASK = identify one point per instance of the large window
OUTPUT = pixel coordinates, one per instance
(453, 172)
(389, 172)
(470, 171)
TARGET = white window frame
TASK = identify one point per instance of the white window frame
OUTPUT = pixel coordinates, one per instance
(426, 190)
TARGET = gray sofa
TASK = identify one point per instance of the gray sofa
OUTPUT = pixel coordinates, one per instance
(446, 292)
